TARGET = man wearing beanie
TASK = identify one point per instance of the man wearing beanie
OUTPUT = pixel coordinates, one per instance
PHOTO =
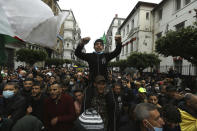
(98, 60)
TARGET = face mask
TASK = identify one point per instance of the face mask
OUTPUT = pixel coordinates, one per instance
(157, 89)
(71, 83)
(99, 52)
(78, 80)
(158, 129)
(20, 76)
(155, 128)
(8, 94)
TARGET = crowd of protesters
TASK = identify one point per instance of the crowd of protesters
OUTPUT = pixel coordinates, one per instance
(51, 99)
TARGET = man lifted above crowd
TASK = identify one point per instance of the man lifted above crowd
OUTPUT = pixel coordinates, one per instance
(98, 60)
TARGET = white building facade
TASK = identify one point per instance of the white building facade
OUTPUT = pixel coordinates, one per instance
(111, 32)
(72, 36)
(136, 30)
(173, 15)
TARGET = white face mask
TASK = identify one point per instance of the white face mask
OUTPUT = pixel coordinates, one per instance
(71, 83)
(155, 128)
(8, 94)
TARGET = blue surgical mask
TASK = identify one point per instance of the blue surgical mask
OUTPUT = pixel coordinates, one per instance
(155, 128)
(158, 129)
(8, 94)
(20, 76)
(99, 52)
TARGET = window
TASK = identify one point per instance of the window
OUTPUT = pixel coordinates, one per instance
(178, 4)
(159, 35)
(123, 32)
(132, 24)
(123, 50)
(127, 48)
(187, 2)
(180, 26)
(67, 44)
(119, 22)
(127, 28)
(131, 47)
(147, 15)
(160, 14)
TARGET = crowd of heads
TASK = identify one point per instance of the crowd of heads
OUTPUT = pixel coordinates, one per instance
(151, 101)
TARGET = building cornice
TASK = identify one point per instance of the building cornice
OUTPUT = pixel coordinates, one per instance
(140, 3)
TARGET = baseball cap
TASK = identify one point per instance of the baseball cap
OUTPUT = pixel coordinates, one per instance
(142, 90)
(100, 78)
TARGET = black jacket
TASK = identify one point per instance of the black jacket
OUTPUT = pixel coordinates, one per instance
(38, 107)
(97, 62)
(14, 107)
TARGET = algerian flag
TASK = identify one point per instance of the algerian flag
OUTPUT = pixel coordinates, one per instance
(5, 39)
(104, 38)
(32, 21)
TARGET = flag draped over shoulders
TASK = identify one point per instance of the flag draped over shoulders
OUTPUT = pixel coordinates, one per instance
(189, 123)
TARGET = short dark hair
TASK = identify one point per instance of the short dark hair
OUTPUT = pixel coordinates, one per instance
(152, 94)
(171, 114)
(99, 40)
(28, 79)
(40, 74)
(56, 83)
(171, 88)
(78, 90)
(36, 83)
(116, 84)
(16, 86)
(65, 83)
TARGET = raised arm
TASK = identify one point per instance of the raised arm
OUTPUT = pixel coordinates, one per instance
(118, 48)
(78, 51)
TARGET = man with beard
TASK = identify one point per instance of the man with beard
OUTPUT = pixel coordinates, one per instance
(26, 90)
(36, 107)
(115, 114)
(78, 94)
(59, 111)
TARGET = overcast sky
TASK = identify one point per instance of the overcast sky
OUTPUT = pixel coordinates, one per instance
(95, 16)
